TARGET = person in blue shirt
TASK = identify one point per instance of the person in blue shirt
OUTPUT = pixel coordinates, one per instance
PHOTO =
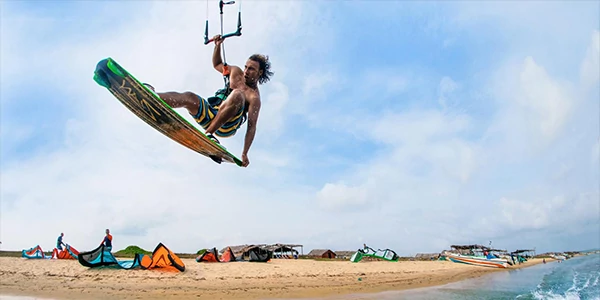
(107, 241)
(59, 242)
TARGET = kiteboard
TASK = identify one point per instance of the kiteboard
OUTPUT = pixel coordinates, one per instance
(149, 107)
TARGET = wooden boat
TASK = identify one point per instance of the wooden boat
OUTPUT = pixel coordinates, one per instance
(477, 260)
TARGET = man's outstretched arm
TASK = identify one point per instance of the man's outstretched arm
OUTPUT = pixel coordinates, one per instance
(253, 112)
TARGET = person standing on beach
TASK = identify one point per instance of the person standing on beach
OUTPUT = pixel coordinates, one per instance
(107, 241)
(59, 242)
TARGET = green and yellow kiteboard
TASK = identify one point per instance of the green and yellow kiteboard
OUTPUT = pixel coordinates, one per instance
(146, 104)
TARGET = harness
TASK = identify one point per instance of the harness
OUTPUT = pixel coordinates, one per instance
(222, 94)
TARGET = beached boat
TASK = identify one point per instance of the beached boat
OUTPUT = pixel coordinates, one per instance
(558, 256)
(477, 260)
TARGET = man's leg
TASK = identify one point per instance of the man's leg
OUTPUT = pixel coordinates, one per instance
(188, 100)
(228, 109)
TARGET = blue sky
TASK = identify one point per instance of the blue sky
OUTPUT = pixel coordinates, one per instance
(403, 125)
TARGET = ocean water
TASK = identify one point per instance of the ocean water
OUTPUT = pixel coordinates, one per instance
(573, 279)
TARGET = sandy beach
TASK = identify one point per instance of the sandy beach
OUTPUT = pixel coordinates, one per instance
(67, 279)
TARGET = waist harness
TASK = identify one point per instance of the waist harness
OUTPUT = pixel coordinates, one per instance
(222, 94)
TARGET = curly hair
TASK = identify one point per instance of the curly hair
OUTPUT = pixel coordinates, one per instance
(265, 66)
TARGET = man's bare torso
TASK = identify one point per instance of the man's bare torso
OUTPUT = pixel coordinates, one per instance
(238, 82)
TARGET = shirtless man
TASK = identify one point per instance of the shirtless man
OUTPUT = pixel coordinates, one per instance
(223, 119)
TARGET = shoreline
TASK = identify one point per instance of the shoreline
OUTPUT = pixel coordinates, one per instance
(304, 278)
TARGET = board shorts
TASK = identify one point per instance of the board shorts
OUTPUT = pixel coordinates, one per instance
(207, 112)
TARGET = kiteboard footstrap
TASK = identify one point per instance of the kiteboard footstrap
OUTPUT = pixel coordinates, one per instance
(149, 86)
(214, 139)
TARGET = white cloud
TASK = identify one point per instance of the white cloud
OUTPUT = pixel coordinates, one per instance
(315, 87)
(422, 161)
(524, 214)
(533, 109)
(313, 96)
(415, 127)
(590, 66)
(385, 82)
(447, 87)
(273, 110)
(544, 99)
(341, 196)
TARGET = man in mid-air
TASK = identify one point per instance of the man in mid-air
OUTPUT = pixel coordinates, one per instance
(223, 118)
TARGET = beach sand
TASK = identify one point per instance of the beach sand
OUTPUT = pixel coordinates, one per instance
(67, 279)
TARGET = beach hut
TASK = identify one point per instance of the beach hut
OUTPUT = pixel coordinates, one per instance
(285, 251)
(427, 256)
(240, 250)
(343, 254)
(323, 253)
(259, 252)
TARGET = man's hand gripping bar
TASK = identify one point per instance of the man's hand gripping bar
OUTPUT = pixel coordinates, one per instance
(238, 32)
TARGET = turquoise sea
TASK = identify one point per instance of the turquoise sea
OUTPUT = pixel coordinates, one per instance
(572, 279)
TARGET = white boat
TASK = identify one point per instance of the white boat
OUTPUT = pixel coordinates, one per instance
(477, 260)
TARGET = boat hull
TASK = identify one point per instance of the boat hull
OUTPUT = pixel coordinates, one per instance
(478, 261)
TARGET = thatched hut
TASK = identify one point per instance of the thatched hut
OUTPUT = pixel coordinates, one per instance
(285, 250)
(344, 254)
(322, 253)
(427, 256)
(278, 250)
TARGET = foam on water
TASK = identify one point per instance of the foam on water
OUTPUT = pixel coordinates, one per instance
(573, 279)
